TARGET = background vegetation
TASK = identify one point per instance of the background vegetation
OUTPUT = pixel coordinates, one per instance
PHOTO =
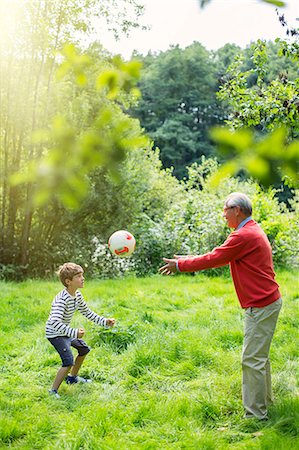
(180, 104)
(83, 154)
(167, 377)
(89, 144)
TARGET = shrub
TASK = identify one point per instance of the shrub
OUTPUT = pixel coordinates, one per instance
(193, 224)
(106, 265)
(12, 272)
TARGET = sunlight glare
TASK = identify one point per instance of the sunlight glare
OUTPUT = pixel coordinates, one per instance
(10, 16)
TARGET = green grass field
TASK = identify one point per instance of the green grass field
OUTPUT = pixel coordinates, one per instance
(167, 377)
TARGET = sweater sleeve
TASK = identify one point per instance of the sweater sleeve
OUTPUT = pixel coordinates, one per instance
(57, 319)
(230, 250)
(87, 312)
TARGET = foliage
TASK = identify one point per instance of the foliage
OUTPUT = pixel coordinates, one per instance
(141, 206)
(178, 104)
(279, 3)
(268, 159)
(193, 224)
(280, 225)
(12, 272)
(82, 168)
(265, 106)
(55, 130)
(168, 376)
(63, 171)
(177, 109)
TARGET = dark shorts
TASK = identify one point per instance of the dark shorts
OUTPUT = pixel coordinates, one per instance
(63, 346)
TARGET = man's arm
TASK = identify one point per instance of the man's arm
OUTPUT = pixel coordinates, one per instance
(230, 250)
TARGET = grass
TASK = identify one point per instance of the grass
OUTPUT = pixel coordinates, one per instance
(167, 377)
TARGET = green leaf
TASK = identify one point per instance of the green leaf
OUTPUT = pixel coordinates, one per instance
(225, 171)
(109, 80)
(81, 79)
(231, 141)
(258, 167)
(278, 3)
(273, 145)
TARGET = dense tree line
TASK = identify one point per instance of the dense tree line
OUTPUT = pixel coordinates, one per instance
(75, 165)
(180, 104)
(52, 131)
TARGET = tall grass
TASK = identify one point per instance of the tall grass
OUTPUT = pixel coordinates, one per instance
(167, 377)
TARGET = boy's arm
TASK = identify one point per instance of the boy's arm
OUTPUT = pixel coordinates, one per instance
(87, 312)
(57, 323)
(110, 322)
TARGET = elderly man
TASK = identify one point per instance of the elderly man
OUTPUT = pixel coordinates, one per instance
(248, 252)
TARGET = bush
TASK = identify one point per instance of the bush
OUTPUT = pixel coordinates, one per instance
(106, 265)
(280, 225)
(12, 272)
(193, 224)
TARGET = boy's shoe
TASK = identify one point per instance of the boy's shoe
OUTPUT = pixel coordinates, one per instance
(54, 393)
(73, 380)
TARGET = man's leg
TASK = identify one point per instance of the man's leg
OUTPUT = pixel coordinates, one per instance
(269, 394)
(259, 329)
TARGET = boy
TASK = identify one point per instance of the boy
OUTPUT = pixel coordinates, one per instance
(61, 335)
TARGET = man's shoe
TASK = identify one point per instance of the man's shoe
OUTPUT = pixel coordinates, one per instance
(265, 418)
(54, 393)
(74, 380)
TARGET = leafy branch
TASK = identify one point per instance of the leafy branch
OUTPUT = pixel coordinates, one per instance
(69, 156)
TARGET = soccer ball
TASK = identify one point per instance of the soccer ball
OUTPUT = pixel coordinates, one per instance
(121, 243)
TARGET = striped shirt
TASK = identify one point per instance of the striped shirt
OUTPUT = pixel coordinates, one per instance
(62, 311)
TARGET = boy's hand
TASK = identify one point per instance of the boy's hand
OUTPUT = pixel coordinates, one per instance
(81, 332)
(110, 322)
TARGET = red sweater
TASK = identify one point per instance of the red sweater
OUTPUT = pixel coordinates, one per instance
(249, 254)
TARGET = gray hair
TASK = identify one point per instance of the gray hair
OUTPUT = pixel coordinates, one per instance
(241, 200)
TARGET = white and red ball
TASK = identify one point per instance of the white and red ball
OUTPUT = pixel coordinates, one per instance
(121, 243)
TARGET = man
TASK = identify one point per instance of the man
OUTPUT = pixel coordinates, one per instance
(248, 252)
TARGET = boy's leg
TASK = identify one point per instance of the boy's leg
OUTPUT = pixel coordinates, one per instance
(61, 374)
(76, 367)
(62, 345)
(82, 349)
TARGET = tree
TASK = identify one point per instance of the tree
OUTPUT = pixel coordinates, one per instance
(178, 104)
(30, 99)
(266, 106)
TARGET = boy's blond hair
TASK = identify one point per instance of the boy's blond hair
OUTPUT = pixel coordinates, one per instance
(68, 271)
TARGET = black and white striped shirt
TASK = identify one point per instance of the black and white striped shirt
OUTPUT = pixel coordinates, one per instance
(62, 311)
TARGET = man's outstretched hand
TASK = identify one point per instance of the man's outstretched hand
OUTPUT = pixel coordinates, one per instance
(170, 266)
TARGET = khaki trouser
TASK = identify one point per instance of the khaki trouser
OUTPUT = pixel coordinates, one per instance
(259, 329)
